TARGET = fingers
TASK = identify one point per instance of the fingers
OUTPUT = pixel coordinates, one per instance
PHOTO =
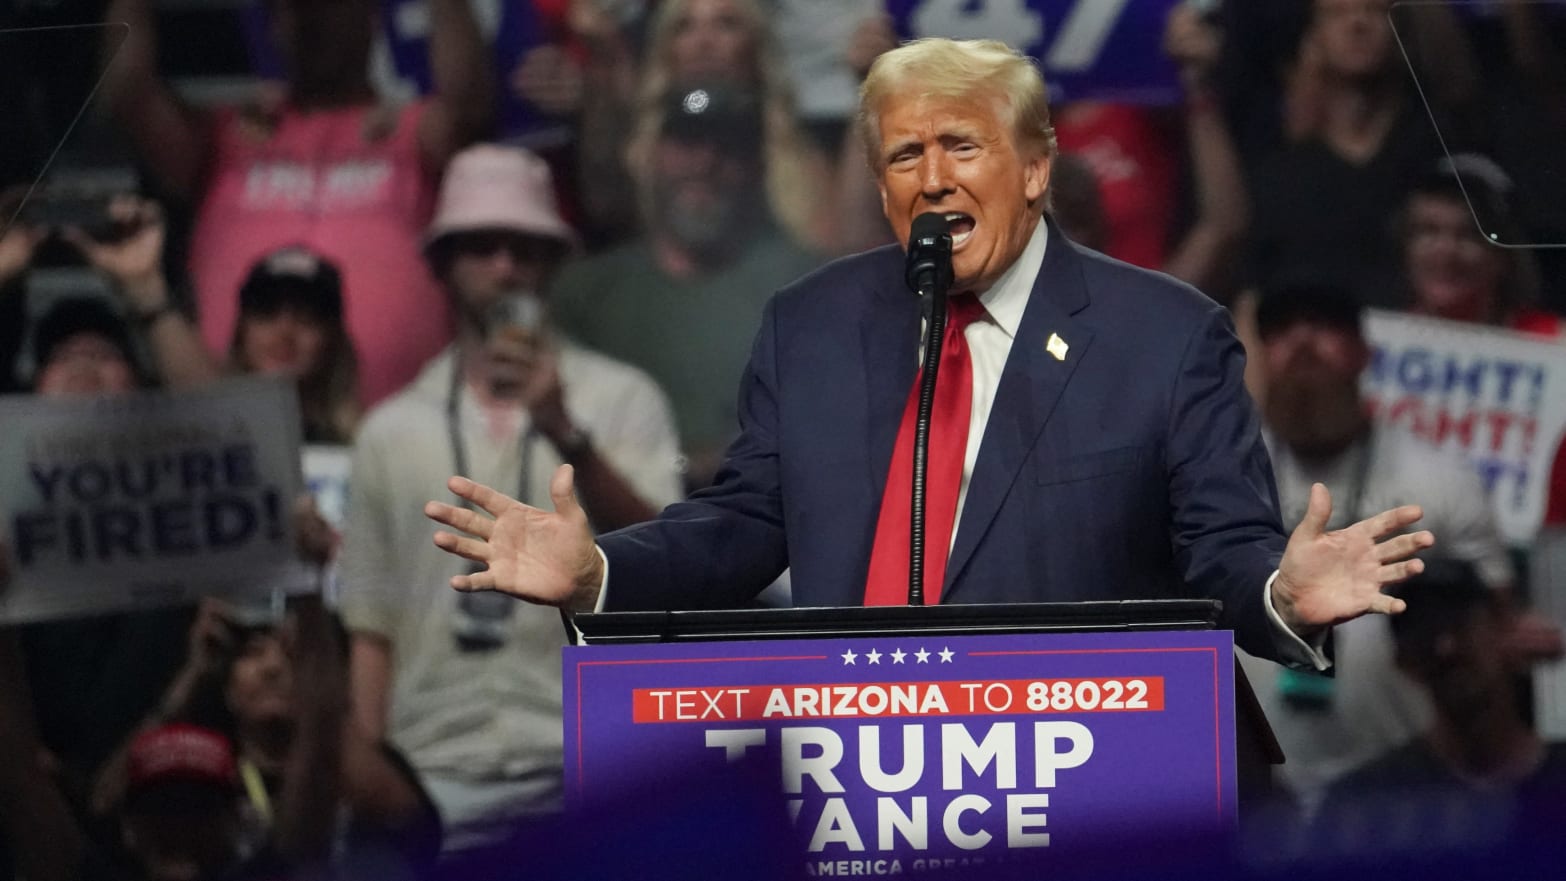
(462, 519)
(476, 581)
(464, 547)
(1403, 546)
(212, 610)
(133, 212)
(1395, 520)
(213, 627)
(22, 235)
(216, 633)
(1387, 605)
(541, 392)
(1318, 512)
(562, 491)
(149, 214)
(1392, 573)
(492, 501)
(512, 359)
(513, 345)
(124, 208)
(78, 239)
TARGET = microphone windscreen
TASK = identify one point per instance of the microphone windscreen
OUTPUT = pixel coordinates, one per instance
(926, 226)
(929, 261)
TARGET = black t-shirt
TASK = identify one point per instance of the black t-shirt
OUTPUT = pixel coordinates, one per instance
(1318, 218)
(1409, 800)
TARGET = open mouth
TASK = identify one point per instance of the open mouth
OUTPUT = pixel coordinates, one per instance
(960, 225)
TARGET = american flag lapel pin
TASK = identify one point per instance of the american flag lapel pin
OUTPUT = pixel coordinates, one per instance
(1056, 346)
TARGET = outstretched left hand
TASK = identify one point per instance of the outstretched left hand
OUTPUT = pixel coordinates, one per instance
(1327, 578)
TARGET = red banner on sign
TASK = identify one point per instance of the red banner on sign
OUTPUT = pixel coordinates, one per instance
(882, 699)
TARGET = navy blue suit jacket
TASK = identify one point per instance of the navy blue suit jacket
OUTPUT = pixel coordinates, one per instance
(1134, 468)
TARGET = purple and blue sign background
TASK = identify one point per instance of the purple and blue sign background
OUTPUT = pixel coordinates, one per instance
(1111, 51)
(1150, 774)
(1101, 50)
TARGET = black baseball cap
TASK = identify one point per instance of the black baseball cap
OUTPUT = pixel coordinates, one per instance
(294, 276)
(1481, 184)
(1319, 303)
(715, 111)
(76, 315)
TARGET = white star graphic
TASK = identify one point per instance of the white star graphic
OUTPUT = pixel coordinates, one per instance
(849, 656)
(922, 655)
(873, 656)
(946, 656)
(897, 656)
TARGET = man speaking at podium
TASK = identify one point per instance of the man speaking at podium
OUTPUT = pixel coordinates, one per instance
(1091, 437)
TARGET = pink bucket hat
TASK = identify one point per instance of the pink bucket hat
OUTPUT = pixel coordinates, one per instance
(492, 187)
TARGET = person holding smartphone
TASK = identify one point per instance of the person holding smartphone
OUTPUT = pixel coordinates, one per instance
(274, 689)
(469, 687)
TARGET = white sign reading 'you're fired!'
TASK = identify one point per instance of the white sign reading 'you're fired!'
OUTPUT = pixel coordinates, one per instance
(114, 503)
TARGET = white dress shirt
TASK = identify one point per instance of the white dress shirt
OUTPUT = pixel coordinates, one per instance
(989, 345)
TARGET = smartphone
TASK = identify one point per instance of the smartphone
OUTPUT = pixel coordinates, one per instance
(80, 197)
(523, 310)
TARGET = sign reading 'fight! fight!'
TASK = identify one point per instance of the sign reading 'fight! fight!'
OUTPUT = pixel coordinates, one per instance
(897, 753)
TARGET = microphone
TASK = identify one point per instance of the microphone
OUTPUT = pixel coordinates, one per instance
(929, 274)
(929, 266)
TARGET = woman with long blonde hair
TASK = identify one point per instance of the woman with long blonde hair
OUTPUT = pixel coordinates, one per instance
(733, 40)
(827, 203)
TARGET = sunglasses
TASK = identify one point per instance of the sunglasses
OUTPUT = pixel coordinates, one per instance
(522, 248)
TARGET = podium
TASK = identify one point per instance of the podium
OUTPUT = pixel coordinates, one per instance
(898, 734)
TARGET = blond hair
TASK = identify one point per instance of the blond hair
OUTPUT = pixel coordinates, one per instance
(793, 170)
(936, 67)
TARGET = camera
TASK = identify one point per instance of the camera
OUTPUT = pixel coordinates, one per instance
(80, 197)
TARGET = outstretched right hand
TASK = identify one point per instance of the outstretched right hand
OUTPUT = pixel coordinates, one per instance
(540, 556)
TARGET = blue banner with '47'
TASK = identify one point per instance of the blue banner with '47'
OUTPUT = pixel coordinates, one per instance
(887, 752)
(1105, 50)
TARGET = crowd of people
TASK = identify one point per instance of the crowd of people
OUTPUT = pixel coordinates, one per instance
(453, 287)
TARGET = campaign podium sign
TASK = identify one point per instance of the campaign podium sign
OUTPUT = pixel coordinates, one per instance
(894, 751)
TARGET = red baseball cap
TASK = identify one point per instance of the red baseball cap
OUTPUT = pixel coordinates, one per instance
(181, 752)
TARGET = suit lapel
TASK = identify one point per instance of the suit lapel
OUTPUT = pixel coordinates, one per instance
(889, 335)
(1030, 387)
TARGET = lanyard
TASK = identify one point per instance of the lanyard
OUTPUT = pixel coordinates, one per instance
(255, 790)
(459, 457)
(1359, 477)
(459, 451)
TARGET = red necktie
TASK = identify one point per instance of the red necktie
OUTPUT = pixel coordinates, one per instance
(887, 584)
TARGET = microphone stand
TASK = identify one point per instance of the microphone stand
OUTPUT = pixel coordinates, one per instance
(932, 290)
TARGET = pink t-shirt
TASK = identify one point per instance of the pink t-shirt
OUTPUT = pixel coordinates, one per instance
(316, 180)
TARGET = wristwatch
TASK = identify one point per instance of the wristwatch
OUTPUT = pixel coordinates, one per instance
(574, 444)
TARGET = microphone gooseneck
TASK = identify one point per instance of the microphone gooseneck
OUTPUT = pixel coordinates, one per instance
(929, 274)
